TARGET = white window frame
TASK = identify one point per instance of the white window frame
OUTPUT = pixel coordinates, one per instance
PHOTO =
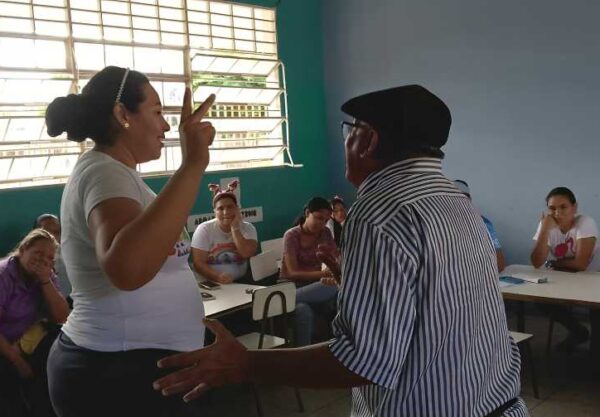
(250, 112)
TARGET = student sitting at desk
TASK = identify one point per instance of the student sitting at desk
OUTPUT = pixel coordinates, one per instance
(568, 241)
(221, 247)
(301, 265)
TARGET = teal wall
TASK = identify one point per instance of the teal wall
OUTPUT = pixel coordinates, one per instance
(280, 191)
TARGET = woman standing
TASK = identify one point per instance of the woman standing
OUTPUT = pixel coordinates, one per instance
(125, 249)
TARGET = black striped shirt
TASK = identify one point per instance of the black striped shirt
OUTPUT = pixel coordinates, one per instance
(420, 311)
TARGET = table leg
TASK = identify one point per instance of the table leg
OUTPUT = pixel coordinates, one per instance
(595, 339)
(520, 316)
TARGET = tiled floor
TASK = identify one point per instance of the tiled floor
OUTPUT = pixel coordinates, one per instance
(566, 384)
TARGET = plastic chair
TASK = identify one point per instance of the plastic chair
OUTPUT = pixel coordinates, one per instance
(275, 245)
(267, 303)
(522, 339)
(264, 265)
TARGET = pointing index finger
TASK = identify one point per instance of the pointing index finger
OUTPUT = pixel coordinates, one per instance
(203, 109)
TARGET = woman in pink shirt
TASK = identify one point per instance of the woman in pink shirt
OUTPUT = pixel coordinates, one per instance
(301, 265)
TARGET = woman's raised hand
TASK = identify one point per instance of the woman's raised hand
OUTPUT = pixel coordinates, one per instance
(195, 135)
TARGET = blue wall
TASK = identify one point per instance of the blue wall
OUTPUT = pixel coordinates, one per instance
(281, 192)
(521, 80)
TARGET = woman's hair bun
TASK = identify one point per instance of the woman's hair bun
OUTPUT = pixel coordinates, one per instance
(68, 114)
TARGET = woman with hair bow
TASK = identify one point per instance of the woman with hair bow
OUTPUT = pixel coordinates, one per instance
(222, 246)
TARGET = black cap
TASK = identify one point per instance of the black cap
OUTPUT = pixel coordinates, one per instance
(410, 114)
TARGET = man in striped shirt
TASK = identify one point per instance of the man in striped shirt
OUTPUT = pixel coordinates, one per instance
(421, 329)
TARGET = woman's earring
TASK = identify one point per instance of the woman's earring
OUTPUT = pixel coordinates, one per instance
(126, 125)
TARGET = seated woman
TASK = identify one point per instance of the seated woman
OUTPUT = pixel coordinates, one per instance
(50, 223)
(338, 218)
(301, 265)
(221, 247)
(568, 241)
(28, 292)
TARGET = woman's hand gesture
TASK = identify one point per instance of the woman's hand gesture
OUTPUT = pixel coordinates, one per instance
(195, 135)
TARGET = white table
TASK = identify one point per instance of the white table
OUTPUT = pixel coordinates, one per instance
(566, 288)
(572, 288)
(228, 298)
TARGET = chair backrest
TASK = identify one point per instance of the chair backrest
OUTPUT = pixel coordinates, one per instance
(275, 245)
(263, 265)
(275, 296)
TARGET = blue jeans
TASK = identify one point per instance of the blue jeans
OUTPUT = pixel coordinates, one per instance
(306, 298)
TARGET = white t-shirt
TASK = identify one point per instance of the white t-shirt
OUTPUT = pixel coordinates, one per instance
(166, 313)
(222, 253)
(564, 245)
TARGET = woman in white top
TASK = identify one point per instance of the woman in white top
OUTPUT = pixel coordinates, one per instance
(566, 241)
(221, 247)
(125, 249)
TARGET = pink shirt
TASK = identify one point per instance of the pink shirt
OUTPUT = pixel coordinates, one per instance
(306, 255)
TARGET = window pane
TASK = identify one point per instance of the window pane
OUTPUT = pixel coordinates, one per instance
(114, 34)
(115, 7)
(89, 56)
(15, 10)
(195, 17)
(144, 36)
(173, 94)
(17, 52)
(145, 23)
(172, 61)
(50, 54)
(145, 60)
(143, 10)
(218, 7)
(242, 11)
(216, 19)
(173, 39)
(170, 26)
(85, 4)
(51, 28)
(85, 17)
(121, 56)
(264, 14)
(23, 129)
(116, 20)
(50, 13)
(16, 25)
(239, 22)
(172, 14)
(87, 32)
(27, 167)
(197, 5)
(171, 3)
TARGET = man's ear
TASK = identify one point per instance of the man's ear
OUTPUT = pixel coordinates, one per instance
(120, 114)
(372, 144)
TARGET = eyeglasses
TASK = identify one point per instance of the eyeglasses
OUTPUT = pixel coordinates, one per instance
(347, 128)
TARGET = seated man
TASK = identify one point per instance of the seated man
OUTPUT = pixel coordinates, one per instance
(464, 188)
(221, 247)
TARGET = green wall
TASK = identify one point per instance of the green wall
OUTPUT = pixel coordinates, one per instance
(280, 191)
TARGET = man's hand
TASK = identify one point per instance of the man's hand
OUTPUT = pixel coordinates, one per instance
(223, 362)
(328, 255)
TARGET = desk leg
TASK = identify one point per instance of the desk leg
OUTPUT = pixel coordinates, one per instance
(595, 340)
(521, 316)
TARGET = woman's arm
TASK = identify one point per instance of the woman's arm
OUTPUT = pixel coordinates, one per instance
(540, 251)
(293, 273)
(57, 306)
(583, 256)
(245, 247)
(132, 244)
(200, 261)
